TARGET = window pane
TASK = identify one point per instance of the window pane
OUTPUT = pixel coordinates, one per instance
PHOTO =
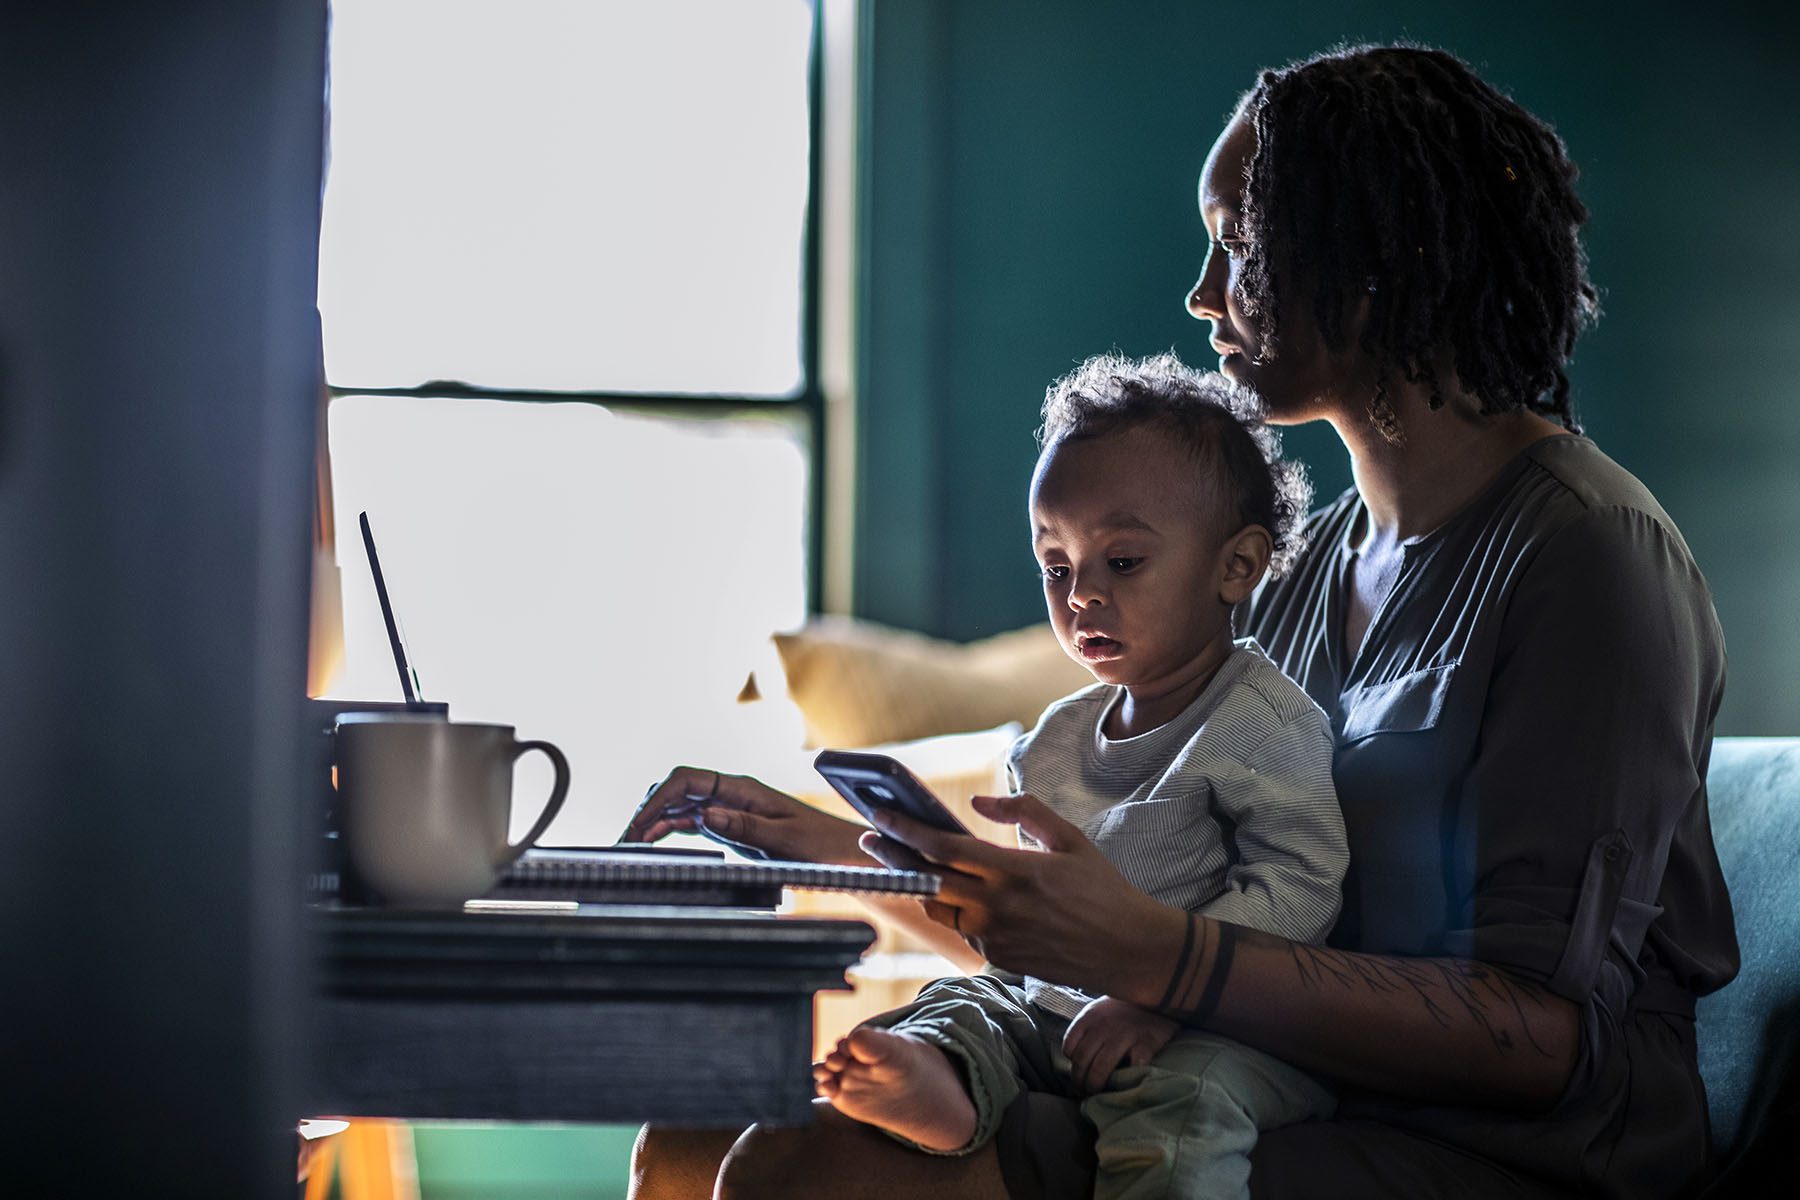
(590, 195)
(600, 580)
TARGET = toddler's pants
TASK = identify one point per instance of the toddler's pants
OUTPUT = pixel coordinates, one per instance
(1182, 1125)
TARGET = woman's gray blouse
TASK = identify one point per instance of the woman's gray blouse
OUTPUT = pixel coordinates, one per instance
(1522, 741)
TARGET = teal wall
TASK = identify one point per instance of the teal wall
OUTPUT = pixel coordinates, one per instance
(1028, 180)
(476, 1161)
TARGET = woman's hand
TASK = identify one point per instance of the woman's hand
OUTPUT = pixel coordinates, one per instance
(1430, 1029)
(1110, 1033)
(744, 813)
(1064, 914)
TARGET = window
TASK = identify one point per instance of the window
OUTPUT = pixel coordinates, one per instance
(564, 286)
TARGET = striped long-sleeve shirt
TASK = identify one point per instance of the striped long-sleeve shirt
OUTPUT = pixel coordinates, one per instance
(1228, 810)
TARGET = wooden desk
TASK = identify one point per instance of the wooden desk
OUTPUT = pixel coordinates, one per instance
(691, 1016)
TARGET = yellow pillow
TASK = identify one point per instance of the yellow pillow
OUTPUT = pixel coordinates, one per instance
(861, 684)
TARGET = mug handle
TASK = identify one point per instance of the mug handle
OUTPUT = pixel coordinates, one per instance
(558, 793)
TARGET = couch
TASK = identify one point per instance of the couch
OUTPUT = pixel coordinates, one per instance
(857, 683)
(1749, 1031)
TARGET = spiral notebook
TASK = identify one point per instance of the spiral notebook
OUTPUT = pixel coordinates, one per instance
(614, 877)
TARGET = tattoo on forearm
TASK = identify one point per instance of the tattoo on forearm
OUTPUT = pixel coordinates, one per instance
(1191, 996)
(1447, 988)
(1444, 986)
(1181, 967)
(1215, 978)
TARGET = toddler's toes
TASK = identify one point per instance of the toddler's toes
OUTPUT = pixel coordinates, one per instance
(873, 1046)
(906, 1086)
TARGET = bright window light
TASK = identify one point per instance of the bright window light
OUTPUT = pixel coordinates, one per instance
(585, 195)
(591, 196)
(603, 581)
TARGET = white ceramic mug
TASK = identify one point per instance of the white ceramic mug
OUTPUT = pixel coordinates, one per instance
(427, 803)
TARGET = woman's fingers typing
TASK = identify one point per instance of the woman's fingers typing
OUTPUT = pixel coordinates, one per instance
(748, 832)
(742, 812)
(672, 805)
(678, 802)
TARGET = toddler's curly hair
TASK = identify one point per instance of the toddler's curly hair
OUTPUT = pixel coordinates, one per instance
(1221, 424)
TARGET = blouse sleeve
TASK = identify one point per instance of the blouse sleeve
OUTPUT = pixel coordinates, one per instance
(1597, 723)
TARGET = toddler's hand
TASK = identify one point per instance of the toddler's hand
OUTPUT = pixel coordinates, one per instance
(1109, 1034)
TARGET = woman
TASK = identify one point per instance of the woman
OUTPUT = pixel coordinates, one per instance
(1521, 664)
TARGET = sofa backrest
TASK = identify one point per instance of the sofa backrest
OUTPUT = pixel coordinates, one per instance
(1749, 1031)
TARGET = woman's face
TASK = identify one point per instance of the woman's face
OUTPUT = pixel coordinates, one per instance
(1300, 381)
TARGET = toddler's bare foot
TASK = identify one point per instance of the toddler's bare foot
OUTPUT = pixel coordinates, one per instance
(900, 1084)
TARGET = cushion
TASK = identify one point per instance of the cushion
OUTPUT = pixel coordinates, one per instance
(860, 684)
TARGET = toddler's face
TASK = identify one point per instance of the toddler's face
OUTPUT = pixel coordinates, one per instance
(1132, 552)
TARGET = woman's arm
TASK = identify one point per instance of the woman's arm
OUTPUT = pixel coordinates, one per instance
(910, 915)
(1427, 1029)
(1449, 1030)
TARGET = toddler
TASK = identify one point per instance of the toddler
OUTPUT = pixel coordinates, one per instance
(1203, 773)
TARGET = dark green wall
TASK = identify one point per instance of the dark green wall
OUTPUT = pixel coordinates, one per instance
(1028, 179)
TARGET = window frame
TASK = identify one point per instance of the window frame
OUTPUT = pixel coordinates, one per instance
(808, 400)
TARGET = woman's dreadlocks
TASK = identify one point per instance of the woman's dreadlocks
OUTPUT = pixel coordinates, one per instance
(1394, 172)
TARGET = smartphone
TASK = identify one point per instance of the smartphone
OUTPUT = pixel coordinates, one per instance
(875, 781)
